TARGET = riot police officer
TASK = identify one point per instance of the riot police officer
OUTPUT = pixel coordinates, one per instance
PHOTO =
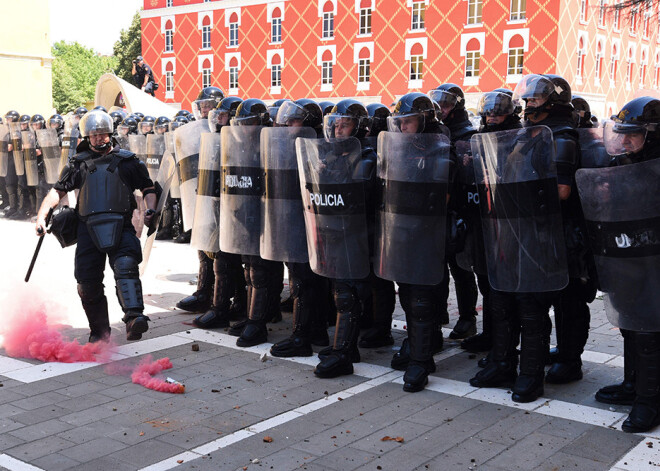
(104, 227)
(582, 112)
(229, 281)
(11, 180)
(622, 201)
(451, 100)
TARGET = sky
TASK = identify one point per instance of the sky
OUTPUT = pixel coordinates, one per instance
(94, 24)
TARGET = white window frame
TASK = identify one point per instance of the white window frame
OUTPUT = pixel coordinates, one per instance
(270, 55)
(169, 75)
(364, 73)
(232, 27)
(518, 10)
(363, 62)
(169, 4)
(516, 53)
(365, 17)
(472, 63)
(328, 25)
(206, 37)
(418, 7)
(275, 76)
(477, 17)
(233, 78)
(579, 70)
(416, 81)
(583, 11)
(276, 31)
(326, 74)
(416, 74)
(232, 71)
(326, 66)
(206, 78)
(601, 13)
(169, 40)
(233, 34)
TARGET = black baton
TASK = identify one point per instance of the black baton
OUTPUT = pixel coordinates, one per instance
(36, 251)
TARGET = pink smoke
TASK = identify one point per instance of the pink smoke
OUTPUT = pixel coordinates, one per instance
(145, 372)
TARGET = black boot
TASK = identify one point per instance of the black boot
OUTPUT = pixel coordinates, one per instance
(564, 372)
(347, 328)
(383, 299)
(95, 305)
(421, 364)
(401, 358)
(482, 342)
(534, 341)
(298, 344)
(624, 392)
(200, 300)
(223, 290)
(645, 412)
(184, 237)
(136, 325)
(466, 326)
(259, 278)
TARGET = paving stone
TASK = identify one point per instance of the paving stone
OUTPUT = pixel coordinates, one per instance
(7, 425)
(530, 452)
(37, 448)
(91, 431)
(93, 449)
(565, 461)
(564, 428)
(374, 443)
(39, 400)
(104, 463)
(8, 441)
(345, 459)
(445, 408)
(190, 437)
(469, 454)
(514, 427)
(86, 401)
(40, 415)
(41, 430)
(336, 437)
(142, 455)
(285, 460)
(83, 389)
(55, 462)
(602, 445)
(397, 459)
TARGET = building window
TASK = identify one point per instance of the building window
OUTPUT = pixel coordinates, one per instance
(601, 14)
(276, 29)
(328, 21)
(656, 76)
(518, 8)
(169, 3)
(633, 21)
(642, 75)
(326, 73)
(416, 67)
(206, 33)
(580, 65)
(474, 12)
(169, 78)
(599, 67)
(233, 30)
(276, 75)
(472, 63)
(645, 25)
(364, 70)
(365, 20)
(583, 11)
(169, 37)
(515, 63)
(233, 77)
(417, 17)
(617, 18)
(628, 72)
(206, 73)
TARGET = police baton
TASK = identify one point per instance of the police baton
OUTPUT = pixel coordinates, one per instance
(36, 251)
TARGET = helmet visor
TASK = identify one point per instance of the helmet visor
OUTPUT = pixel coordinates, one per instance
(533, 90)
(247, 121)
(161, 128)
(495, 104)
(622, 138)
(145, 127)
(202, 108)
(339, 125)
(291, 114)
(218, 118)
(408, 123)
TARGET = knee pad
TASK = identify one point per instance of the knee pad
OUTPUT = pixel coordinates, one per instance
(126, 267)
(259, 276)
(418, 301)
(345, 299)
(221, 264)
(90, 293)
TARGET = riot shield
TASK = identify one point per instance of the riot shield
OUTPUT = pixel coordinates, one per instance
(122, 141)
(4, 149)
(622, 209)
(205, 231)
(29, 143)
(282, 220)
(186, 143)
(175, 192)
(155, 151)
(471, 256)
(164, 178)
(50, 152)
(334, 207)
(17, 148)
(69, 143)
(137, 143)
(592, 150)
(520, 212)
(242, 188)
(413, 170)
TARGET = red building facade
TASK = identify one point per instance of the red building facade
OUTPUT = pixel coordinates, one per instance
(377, 50)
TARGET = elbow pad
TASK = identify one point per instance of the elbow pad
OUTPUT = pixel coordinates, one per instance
(566, 159)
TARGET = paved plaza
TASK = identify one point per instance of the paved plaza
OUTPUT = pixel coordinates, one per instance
(245, 410)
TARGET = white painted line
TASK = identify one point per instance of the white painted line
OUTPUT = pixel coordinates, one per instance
(47, 370)
(223, 442)
(11, 364)
(640, 458)
(274, 421)
(597, 357)
(616, 361)
(151, 345)
(503, 398)
(172, 462)
(12, 464)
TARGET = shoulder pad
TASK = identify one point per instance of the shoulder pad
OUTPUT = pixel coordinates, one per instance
(84, 155)
(566, 150)
(564, 132)
(125, 154)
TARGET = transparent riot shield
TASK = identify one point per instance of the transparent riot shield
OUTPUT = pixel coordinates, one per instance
(592, 150)
(155, 151)
(137, 143)
(4, 149)
(471, 256)
(520, 212)
(163, 180)
(29, 142)
(622, 208)
(282, 221)
(186, 142)
(122, 141)
(69, 143)
(413, 170)
(175, 192)
(50, 152)
(17, 147)
(206, 223)
(334, 207)
(242, 188)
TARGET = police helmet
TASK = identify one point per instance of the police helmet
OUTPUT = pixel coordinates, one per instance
(223, 113)
(582, 112)
(177, 122)
(350, 115)
(117, 118)
(326, 106)
(412, 105)
(80, 111)
(96, 122)
(37, 122)
(146, 126)
(636, 125)
(251, 112)
(303, 112)
(162, 124)
(128, 126)
(274, 108)
(12, 116)
(102, 108)
(552, 91)
(208, 99)
(56, 122)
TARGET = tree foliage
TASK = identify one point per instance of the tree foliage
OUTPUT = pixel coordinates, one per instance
(128, 47)
(76, 69)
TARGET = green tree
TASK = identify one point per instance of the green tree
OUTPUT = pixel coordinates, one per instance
(128, 48)
(76, 69)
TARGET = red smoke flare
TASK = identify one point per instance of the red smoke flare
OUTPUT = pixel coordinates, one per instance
(27, 335)
(144, 374)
